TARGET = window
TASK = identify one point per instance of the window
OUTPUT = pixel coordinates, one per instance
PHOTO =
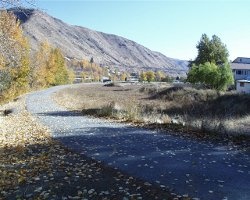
(242, 84)
(238, 72)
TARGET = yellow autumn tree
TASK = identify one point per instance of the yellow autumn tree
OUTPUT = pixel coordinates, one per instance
(150, 76)
(143, 76)
(61, 70)
(159, 75)
(123, 76)
(91, 71)
(14, 57)
(40, 69)
(50, 67)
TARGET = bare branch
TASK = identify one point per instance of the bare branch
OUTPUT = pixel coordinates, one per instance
(5, 4)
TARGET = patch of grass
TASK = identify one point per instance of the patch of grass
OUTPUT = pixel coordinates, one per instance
(185, 95)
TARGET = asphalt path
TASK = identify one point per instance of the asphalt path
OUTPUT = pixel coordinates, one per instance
(200, 169)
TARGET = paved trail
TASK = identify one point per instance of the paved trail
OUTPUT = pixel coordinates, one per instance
(203, 170)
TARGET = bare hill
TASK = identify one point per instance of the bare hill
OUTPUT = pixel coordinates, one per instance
(83, 43)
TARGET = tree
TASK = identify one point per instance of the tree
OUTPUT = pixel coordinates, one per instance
(159, 75)
(8, 3)
(225, 78)
(123, 76)
(91, 70)
(211, 65)
(14, 57)
(83, 75)
(211, 51)
(50, 68)
(150, 76)
(143, 77)
(204, 73)
(41, 73)
(91, 61)
(61, 75)
(220, 52)
(167, 78)
(15, 3)
(216, 77)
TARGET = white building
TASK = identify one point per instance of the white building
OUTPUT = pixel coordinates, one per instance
(133, 77)
(241, 68)
(243, 86)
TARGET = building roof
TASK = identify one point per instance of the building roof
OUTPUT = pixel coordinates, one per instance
(240, 66)
(242, 60)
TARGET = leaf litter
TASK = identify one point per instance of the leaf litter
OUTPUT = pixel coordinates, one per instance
(34, 166)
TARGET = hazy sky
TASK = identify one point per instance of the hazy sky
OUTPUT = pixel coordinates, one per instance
(172, 27)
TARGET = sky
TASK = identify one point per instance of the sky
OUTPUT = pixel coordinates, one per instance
(172, 27)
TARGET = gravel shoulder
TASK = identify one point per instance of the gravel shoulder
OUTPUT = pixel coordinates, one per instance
(35, 166)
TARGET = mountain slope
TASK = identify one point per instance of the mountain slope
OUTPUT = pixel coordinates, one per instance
(106, 49)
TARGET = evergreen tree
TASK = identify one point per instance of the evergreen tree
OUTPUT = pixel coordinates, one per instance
(211, 51)
(91, 60)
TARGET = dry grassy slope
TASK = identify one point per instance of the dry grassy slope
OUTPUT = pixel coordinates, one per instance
(79, 42)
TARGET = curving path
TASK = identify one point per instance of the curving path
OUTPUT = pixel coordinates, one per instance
(203, 170)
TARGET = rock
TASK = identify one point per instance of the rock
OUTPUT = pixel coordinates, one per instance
(91, 191)
(178, 121)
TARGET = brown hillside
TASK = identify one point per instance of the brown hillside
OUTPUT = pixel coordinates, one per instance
(83, 43)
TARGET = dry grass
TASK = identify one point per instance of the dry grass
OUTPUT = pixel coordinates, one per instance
(202, 110)
(123, 102)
